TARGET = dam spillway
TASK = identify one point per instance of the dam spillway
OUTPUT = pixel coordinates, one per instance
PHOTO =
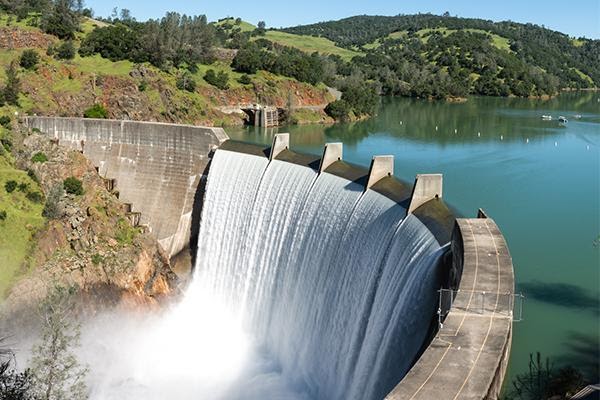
(319, 267)
(336, 270)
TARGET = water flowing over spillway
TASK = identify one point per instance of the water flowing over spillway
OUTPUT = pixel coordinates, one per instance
(333, 282)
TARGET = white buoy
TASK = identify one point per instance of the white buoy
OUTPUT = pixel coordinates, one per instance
(478, 134)
(527, 141)
(587, 147)
(555, 144)
(455, 130)
(400, 122)
(501, 137)
(436, 127)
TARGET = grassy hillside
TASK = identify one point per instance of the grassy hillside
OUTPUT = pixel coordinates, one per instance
(137, 90)
(310, 44)
(306, 43)
(23, 219)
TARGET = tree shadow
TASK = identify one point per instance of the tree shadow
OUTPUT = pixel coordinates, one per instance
(562, 294)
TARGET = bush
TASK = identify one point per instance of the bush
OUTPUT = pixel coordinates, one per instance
(52, 208)
(29, 59)
(143, 86)
(6, 143)
(39, 157)
(73, 185)
(5, 121)
(96, 111)
(125, 232)
(32, 175)
(35, 197)
(23, 187)
(186, 82)
(220, 80)
(2, 215)
(96, 258)
(338, 110)
(10, 186)
(65, 51)
(245, 80)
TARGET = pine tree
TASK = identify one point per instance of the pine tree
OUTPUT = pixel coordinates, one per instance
(13, 85)
(56, 372)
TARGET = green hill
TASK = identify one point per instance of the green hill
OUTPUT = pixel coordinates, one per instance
(525, 49)
(306, 43)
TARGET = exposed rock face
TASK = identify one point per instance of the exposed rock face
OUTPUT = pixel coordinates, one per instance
(16, 38)
(90, 243)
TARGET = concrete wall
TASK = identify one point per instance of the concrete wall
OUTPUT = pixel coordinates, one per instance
(468, 357)
(157, 167)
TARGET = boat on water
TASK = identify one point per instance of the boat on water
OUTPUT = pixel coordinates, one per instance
(562, 119)
(547, 117)
(577, 116)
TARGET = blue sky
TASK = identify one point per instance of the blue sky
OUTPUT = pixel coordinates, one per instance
(576, 17)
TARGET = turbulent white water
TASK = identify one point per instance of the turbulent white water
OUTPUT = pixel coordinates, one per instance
(305, 288)
(333, 284)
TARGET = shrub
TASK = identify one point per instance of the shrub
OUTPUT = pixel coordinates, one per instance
(23, 187)
(338, 110)
(245, 80)
(186, 82)
(5, 121)
(65, 51)
(29, 59)
(6, 143)
(125, 232)
(52, 208)
(73, 185)
(143, 86)
(220, 80)
(32, 175)
(35, 197)
(96, 259)
(10, 186)
(2, 215)
(96, 111)
(39, 157)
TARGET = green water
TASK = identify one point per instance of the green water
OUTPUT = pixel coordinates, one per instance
(539, 180)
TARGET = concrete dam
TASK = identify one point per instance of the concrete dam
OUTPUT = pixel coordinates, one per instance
(358, 285)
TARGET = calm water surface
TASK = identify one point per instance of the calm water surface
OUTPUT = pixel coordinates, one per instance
(539, 180)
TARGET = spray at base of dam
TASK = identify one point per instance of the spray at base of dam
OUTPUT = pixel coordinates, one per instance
(318, 280)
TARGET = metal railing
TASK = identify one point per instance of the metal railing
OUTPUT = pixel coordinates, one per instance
(473, 303)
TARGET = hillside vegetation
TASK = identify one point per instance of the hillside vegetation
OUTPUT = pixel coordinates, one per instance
(183, 68)
(435, 56)
(137, 70)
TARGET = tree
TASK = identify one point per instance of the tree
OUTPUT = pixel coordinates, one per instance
(61, 21)
(126, 15)
(52, 208)
(13, 85)
(248, 59)
(55, 370)
(65, 51)
(29, 59)
(261, 29)
(543, 382)
(186, 82)
(220, 80)
(338, 110)
(13, 385)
